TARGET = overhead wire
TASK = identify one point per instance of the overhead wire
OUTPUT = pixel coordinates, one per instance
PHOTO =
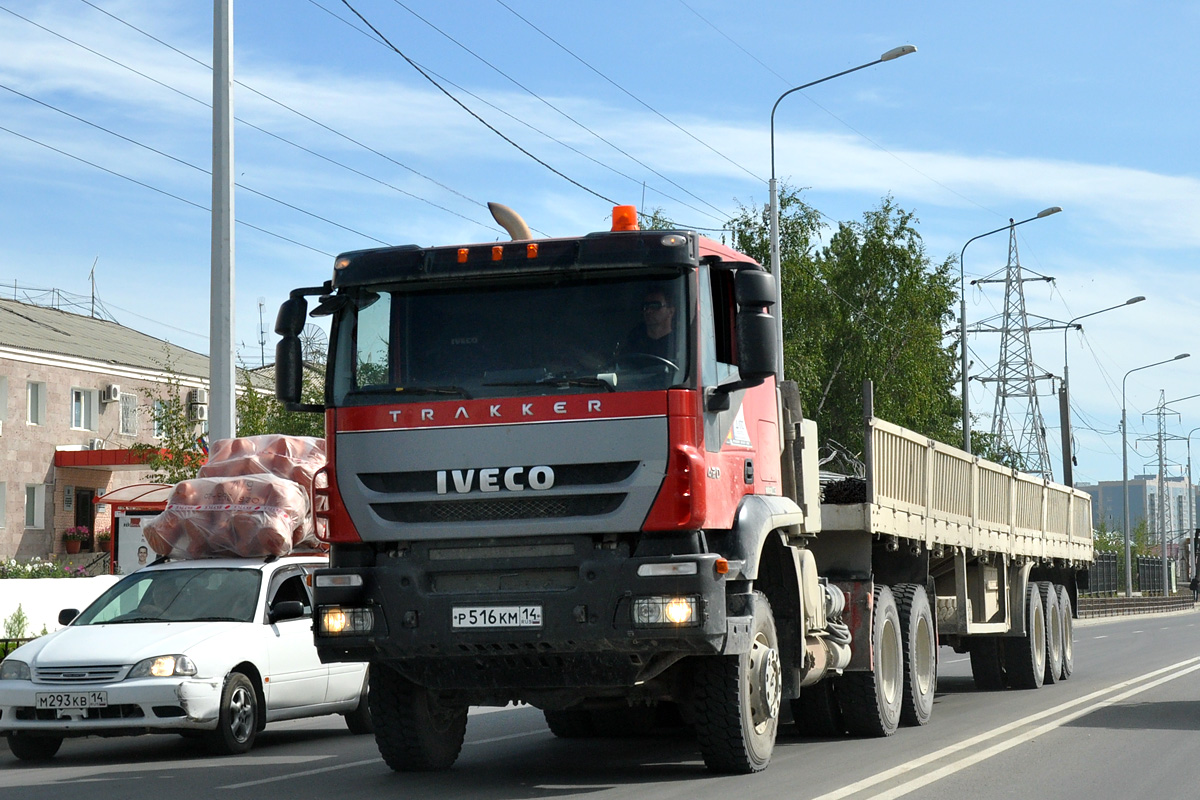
(467, 109)
(276, 136)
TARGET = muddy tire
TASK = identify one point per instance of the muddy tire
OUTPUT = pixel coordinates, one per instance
(735, 700)
(413, 730)
(871, 701)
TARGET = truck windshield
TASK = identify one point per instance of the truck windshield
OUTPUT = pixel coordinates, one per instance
(579, 336)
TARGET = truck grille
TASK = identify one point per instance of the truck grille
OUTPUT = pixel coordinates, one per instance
(516, 508)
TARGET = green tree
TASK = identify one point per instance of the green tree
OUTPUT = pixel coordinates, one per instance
(656, 220)
(868, 304)
(176, 455)
(260, 413)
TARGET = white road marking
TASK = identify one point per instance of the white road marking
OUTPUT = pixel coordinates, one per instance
(1105, 636)
(1182, 668)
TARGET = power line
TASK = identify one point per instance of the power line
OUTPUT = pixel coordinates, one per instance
(555, 108)
(464, 107)
(159, 191)
(256, 127)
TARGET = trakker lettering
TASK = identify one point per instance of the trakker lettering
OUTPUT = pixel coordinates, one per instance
(496, 411)
(494, 479)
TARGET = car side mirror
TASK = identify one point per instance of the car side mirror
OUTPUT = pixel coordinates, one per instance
(67, 616)
(286, 609)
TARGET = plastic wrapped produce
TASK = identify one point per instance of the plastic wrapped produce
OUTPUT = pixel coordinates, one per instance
(296, 458)
(245, 516)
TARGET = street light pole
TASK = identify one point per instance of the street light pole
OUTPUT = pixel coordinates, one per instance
(890, 55)
(962, 317)
(1064, 400)
(1125, 469)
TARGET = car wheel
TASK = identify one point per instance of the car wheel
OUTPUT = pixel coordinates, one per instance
(237, 723)
(33, 748)
(359, 720)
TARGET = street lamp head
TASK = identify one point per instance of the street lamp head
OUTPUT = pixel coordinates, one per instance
(1181, 355)
(1045, 212)
(896, 52)
(1133, 300)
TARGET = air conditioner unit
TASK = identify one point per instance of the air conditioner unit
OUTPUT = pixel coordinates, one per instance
(197, 413)
(110, 393)
(95, 444)
(198, 397)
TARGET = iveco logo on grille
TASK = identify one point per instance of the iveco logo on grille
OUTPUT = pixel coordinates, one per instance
(494, 479)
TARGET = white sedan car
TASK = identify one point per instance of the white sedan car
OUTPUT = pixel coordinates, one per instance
(212, 648)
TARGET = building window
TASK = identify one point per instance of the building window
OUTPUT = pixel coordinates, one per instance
(159, 412)
(35, 505)
(129, 412)
(84, 409)
(35, 395)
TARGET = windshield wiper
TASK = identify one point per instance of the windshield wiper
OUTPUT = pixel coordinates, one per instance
(457, 391)
(589, 382)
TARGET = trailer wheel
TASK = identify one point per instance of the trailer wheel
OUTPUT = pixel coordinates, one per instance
(919, 636)
(735, 700)
(871, 701)
(414, 731)
(1054, 631)
(1068, 639)
(816, 711)
(987, 662)
(1025, 656)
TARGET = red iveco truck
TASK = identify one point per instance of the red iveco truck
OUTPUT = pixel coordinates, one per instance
(562, 472)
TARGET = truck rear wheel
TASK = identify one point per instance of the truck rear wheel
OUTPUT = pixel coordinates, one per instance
(871, 701)
(1068, 639)
(919, 636)
(1054, 631)
(735, 700)
(987, 662)
(414, 731)
(1025, 656)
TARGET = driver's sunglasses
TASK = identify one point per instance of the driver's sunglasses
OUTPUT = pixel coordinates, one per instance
(651, 305)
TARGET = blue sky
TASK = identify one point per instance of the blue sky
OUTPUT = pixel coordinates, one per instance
(1003, 111)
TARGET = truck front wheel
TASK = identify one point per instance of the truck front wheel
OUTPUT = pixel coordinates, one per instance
(735, 700)
(414, 731)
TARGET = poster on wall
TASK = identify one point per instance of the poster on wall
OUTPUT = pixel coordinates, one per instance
(133, 552)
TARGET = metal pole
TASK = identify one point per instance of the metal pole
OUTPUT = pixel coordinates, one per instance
(1064, 398)
(222, 381)
(1125, 466)
(962, 318)
(776, 269)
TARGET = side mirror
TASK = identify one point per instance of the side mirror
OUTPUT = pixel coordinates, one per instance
(67, 616)
(292, 316)
(289, 368)
(286, 609)
(754, 291)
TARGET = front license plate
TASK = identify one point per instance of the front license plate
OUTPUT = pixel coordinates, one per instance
(496, 617)
(72, 699)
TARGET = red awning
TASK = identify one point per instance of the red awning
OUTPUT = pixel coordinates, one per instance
(110, 460)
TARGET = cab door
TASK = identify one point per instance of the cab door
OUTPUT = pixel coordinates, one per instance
(297, 677)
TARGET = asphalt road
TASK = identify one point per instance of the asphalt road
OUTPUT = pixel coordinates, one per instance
(1127, 724)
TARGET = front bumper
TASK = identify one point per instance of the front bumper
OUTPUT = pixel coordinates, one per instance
(134, 706)
(587, 635)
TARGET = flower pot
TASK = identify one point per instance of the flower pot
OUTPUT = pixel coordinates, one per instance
(105, 545)
(72, 546)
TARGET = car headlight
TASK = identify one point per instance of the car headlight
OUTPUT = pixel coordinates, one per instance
(163, 667)
(13, 670)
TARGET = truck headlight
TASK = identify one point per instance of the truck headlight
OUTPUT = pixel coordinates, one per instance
(666, 611)
(338, 621)
(162, 667)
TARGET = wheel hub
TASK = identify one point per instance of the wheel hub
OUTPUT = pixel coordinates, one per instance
(767, 691)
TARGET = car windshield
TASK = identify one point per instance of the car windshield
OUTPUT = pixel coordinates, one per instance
(582, 335)
(177, 595)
